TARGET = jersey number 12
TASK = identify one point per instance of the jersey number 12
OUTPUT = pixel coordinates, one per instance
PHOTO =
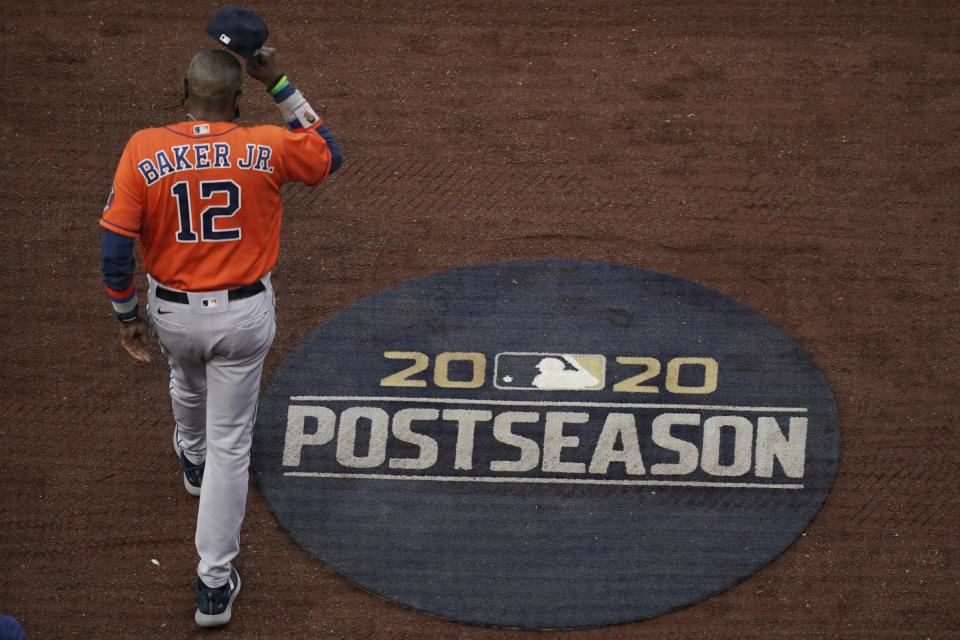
(208, 232)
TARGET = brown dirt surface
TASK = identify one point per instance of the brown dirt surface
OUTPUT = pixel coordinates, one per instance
(800, 157)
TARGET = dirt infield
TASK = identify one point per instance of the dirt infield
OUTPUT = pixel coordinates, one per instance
(802, 158)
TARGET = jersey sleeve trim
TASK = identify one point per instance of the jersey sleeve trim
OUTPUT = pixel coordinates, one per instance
(326, 173)
(106, 224)
(336, 156)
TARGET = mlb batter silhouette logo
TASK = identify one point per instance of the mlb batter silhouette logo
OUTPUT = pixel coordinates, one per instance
(550, 371)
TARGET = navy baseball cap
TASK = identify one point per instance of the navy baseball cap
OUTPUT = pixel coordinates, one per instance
(240, 29)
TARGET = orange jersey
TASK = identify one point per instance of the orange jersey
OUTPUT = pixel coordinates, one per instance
(204, 198)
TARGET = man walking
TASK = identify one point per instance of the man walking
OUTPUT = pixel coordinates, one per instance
(203, 197)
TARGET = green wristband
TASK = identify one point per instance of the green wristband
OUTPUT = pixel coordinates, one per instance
(277, 84)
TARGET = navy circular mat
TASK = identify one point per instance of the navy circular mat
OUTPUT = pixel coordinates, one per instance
(546, 443)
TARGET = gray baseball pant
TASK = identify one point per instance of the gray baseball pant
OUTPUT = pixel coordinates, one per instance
(216, 350)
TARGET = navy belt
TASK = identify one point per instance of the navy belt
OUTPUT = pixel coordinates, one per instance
(239, 293)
